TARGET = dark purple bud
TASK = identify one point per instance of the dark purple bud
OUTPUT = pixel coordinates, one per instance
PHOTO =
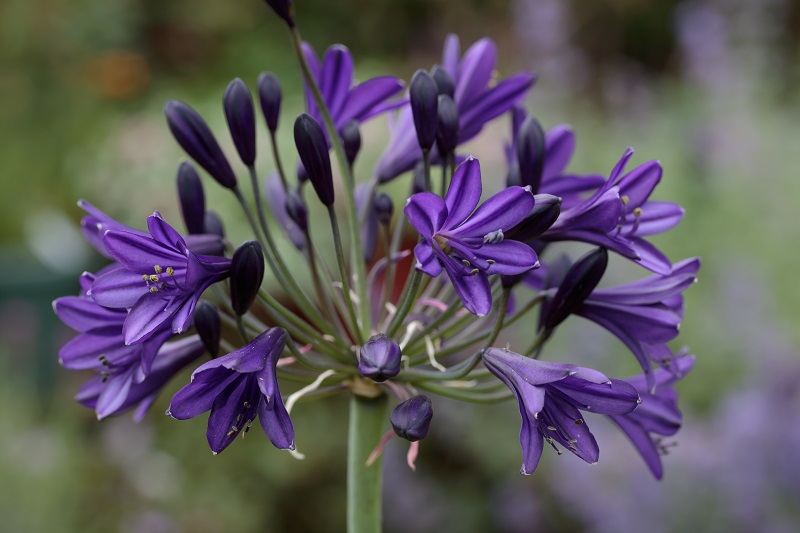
(195, 137)
(192, 198)
(380, 358)
(296, 209)
(447, 125)
(313, 149)
(351, 139)
(424, 95)
(512, 177)
(283, 8)
(213, 224)
(444, 82)
(247, 272)
(208, 326)
(241, 116)
(543, 215)
(579, 282)
(411, 420)
(383, 206)
(269, 92)
(530, 153)
(418, 179)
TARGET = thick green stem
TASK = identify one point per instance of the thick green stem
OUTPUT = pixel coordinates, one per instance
(366, 426)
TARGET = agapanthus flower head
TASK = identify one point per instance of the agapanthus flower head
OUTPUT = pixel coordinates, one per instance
(551, 397)
(157, 277)
(467, 242)
(238, 388)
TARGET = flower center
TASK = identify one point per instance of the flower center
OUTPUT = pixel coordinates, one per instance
(156, 282)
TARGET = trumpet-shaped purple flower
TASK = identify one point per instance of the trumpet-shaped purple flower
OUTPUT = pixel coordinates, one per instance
(237, 388)
(125, 394)
(477, 98)
(467, 242)
(345, 100)
(618, 215)
(157, 277)
(551, 397)
(657, 416)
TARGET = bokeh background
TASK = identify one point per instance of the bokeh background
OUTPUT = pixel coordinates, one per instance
(709, 87)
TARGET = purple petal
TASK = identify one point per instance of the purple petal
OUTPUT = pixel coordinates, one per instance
(464, 192)
(451, 55)
(277, 424)
(426, 212)
(559, 147)
(559, 422)
(336, 76)
(164, 233)
(656, 217)
(619, 168)
(510, 257)
(140, 254)
(198, 396)
(531, 442)
(475, 72)
(493, 103)
(313, 65)
(651, 257)
(275, 195)
(114, 394)
(365, 97)
(118, 288)
(644, 444)
(229, 415)
(472, 289)
(83, 352)
(615, 398)
(639, 183)
(144, 318)
(600, 214)
(427, 261)
(572, 186)
(502, 211)
(83, 314)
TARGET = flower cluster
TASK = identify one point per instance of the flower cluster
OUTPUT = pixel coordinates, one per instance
(395, 314)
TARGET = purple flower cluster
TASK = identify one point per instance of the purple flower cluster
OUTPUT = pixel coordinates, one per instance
(372, 326)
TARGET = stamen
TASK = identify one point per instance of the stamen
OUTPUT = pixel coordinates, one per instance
(491, 261)
(466, 263)
(145, 277)
(153, 289)
(170, 271)
(247, 405)
(474, 271)
(625, 199)
(157, 269)
(153, 278)
(432, 355)
(579, 421)
(494, 237)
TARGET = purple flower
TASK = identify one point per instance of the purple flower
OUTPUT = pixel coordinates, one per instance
(657, 416)
(478, 100)
(551, 396)
(619, 214)
(104, 393)
(345, 100)
(236, 388)
(157, 277)
(468, 242)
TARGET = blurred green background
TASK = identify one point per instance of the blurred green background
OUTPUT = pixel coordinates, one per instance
(706, 86)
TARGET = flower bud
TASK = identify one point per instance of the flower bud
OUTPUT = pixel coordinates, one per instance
(530, 153)
(424, 95)
(192, 198)
(411, 420)
(444, 82)
(380, 358)
(208, 326)
(382, 204)
(578, 283)
(351, 140)
(195, 137)
(240, 114)
(283, 8)
(269, 93)
(447, 125)
(418, 179)
(213, 224)
(313, 149)
(296, 209)
(543, 215)
(247, 272)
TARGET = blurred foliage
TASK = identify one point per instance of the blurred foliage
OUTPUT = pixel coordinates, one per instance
(82, 84)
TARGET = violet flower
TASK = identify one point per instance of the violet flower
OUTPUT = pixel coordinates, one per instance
(657, 416)
(467, 242)
(551, 397)
(345, 99)
(172, 357)
(157, 277)
(237, 388)
(478, 100)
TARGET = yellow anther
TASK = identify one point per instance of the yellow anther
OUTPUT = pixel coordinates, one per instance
(145, 277)
(153, 278)
(157, 269)
(170, 271)
(625, 199)
(474, 271)
(637, 212)
(466, 263)
(490, 261)
(247, 405)
(153, 289)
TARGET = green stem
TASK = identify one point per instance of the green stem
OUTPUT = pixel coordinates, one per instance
(366, 426)
(406, 303)
(278, 164)
(348, 300)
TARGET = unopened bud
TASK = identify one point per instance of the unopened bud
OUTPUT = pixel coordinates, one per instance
(447, 125)
(351, 139)
(283, 8)
(313, 149)
(543, 215)
(208, 326)
(418, 179)
(296, 209)
(530, 153)
(269, 93)
(240, 114)
(213, 224)
(383, 206)
(423, 95)
(192, 198)
(195, 137)
(247, 272)
(444, 82)
(380, 358)
(411, 420)
(578, 283)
